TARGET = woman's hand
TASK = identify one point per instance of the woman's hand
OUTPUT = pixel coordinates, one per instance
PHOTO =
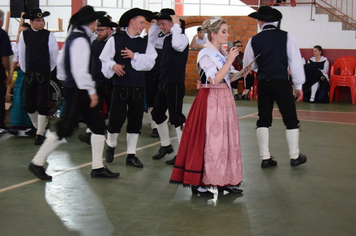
(233, 54)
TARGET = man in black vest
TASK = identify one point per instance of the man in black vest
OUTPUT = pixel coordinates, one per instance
(80, 96)
(171, 89)
(104, 86)
(38, 51)
(5, 53)
(277, 51)
(125, 56)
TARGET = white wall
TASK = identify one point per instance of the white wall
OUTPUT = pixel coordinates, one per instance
(329, 35)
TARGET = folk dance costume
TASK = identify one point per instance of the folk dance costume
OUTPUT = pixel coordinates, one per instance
(209, 152)
(38, 51)
(5, 51)
(278, 50)
(171, 89)
(73, 68)
(152, 79)
(128, 92)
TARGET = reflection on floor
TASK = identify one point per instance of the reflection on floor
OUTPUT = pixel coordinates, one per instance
(313, 199)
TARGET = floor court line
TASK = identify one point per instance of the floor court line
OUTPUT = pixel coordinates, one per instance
(116, 155)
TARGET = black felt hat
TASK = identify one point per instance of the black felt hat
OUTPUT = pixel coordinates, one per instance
(86, 15)
(267, 14)
(128, 15)
(35, 13)
(106, 22)
(165, 14)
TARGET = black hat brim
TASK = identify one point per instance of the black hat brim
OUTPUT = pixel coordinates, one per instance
(276, 16)
(31, 17)
(128, 15)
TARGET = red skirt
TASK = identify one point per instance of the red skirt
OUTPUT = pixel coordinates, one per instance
(188, 168)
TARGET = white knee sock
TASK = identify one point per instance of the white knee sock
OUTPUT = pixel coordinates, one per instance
(163, 132)
(153, 123)
(131, 143)
(314, 88)
(179, 133)
(33, 117)
(42, 124)
(234, 91)
(293, 142)
(111, 140)
(49, 145)
(263, 141)
(97, 147)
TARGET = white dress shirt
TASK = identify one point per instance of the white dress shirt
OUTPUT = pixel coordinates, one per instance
(140, 62)
(52, 47)
(80, 51)
(294, 59)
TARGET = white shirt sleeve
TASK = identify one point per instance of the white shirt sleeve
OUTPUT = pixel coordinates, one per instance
(53, 50)
(153, 32)
(146, 61)
(295, 62)
(107, 58)
(79, 63)
(249, 55)
(179, 41)
(61, 73)
(22, 53)
(209, 67)
(326, 69)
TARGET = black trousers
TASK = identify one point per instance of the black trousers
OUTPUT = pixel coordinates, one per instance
(126, 102)
(2, 99)
(169, 96)
(281, 92)
(78, 104)
(37, 92)
(104, 92)
(249, 82)
(152, 82)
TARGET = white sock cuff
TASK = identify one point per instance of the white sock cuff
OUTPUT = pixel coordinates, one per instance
(163, 132)
(111, 140)
(131, 143)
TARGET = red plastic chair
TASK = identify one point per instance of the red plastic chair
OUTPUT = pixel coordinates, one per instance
(251, 92)
(346, 78)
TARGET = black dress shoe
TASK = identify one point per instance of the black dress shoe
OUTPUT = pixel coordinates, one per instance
(32, 131)
(39, 139)
(134, 161)
(154, 133)
(109, 154)
(206, 193)
(172, 161)
(300, 160)
(245, 97)
(229, 189)
(268, 163)
(103, 173)
(39, 171)
(236, 97)
(85, 138)
(163, 151)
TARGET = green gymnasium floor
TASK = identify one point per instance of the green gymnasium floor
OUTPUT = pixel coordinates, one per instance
(317, 198)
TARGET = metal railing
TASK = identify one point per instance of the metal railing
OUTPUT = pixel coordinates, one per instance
(343, 10)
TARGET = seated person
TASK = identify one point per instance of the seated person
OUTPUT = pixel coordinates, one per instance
(199, 39)
(316, 86)
(248, 81)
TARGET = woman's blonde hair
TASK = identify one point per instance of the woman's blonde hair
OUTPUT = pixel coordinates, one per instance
(213, 26)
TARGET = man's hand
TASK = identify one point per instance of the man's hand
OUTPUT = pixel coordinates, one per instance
(127, 53)
(298, 94)
(93, 100)
(175, 19)
(8, 79)
(119, 69)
